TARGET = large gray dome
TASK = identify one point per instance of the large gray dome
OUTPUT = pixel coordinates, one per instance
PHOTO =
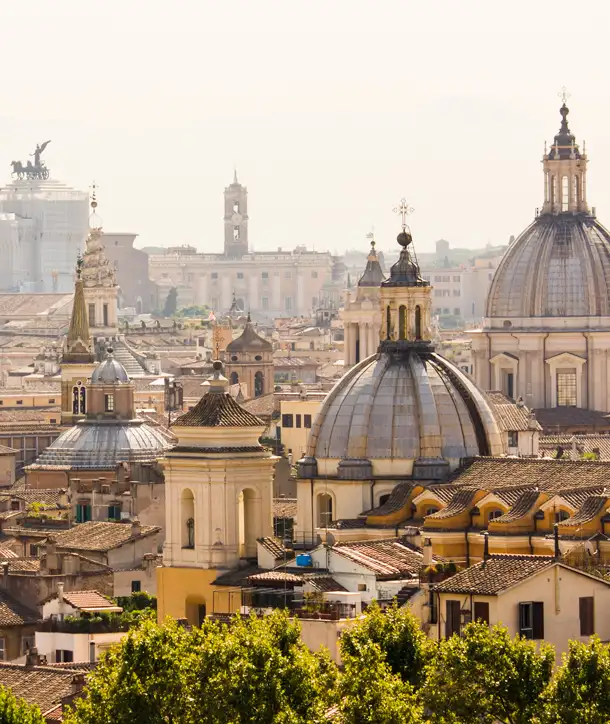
(558, 267)
(104, 444)
(403, 408)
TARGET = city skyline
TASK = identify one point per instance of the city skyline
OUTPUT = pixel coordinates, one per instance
(330, 114)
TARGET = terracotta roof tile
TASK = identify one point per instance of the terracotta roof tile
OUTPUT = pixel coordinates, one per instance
(88, 599)
(284, 508)
(44, 686)
(584, 444)
(262, 406)
(521, 507)
(554, 417)
(591, 507)
(249, 340)
(273, 546)
(276, 577)
(460, 501)
(13, 613)
(397, 500)
(324, 583)
(490, 577)
(99, 536)
(510, 415)
(218, 410)
(390, 558)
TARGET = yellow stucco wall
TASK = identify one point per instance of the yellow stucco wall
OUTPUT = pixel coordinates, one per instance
(180, 592)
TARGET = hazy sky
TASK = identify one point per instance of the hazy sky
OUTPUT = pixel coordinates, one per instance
(331, 110)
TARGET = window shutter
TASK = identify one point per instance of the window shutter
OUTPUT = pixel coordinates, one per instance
(452, 618)
(481, 611)
(538, 620)
(585, 606)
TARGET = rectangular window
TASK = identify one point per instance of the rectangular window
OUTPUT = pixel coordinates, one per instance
(136, 586)
(566, 388)
(109, 403)
(510, 384)
(27, 643)
(287, 421)
(15, 505)
(52, 401)
(531, 620)
(114, 511)
(314, 274)
(20, 402)
(298, 420)
(264, 275)
(105, 314)
(362, 586)
(214, 275)
(34, 550)
(265, 303)
(2, 649)
(513, 438)
(452, 618)
(433, 602)
(91, 652)
(83, 512)
(63, 656)
(240, 275)
(287, 275)
(288, 303)
(481, 611)
(585, 607)
(307, 421)
(456, 279)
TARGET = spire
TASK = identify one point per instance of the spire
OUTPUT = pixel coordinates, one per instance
(77, 347)
(373, 273)
(405, 273)
(235, 181)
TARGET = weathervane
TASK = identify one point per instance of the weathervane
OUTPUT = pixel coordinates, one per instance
(94, 219)
(404, 210)
(563, 94)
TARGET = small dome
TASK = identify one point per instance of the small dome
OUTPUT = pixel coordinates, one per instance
(403, 408)
(558, 267)
(249, 340)
(109, 372)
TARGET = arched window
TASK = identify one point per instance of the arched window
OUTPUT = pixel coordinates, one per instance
(83, 400)
(575, 190)
(234, 378)
(79, 399)
(388, 323)
(325, 509)
(553, 190)
(430, 511)
(565, 193)
(418, 322)
(402, 322)
(496, 513)
(187, 517)
(259, 381)
(546, 186)
(384, 498)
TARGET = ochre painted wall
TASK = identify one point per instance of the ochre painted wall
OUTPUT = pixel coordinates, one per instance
(180, 592)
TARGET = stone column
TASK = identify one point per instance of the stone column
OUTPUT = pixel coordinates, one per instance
(364, 340)
(347, 345)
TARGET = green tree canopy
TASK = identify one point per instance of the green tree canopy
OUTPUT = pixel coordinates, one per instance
(580, 692)
(398, 633)
(485, 676)
(251, 671)
(17, 711)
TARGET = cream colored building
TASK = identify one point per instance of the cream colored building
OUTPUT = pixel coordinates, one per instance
(546, 333)
(268, 284)
(537, 597)
(219, 501)
(296, 419)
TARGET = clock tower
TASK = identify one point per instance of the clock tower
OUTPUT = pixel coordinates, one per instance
(236, 220)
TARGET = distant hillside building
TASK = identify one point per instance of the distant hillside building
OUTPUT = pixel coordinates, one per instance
(136, 289)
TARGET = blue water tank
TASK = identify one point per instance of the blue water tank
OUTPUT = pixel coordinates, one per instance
(303, 559)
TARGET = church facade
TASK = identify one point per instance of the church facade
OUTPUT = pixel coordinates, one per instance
(546, 334)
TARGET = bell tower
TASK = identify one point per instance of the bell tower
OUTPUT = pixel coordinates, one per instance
(236, 219)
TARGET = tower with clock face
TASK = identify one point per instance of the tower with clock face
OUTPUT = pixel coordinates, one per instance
(236, 219)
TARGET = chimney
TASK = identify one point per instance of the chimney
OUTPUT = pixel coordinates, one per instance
(77, 684)
(486, 555)
(136, 528)
(556, 536)
(427, 552)
(5, 565)
(51, 554)
(60, 591)
(32, 658)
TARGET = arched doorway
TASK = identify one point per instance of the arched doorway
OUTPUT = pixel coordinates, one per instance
(418, 322)
(259, 384)
(234, 378)
(247, 523)
(325, 509)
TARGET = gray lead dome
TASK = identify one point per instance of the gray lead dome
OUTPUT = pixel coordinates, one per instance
(109, 372)
(558, 267)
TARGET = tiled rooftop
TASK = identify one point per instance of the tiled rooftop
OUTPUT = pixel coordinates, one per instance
(87, 600)
(390, 558)
(99, 536)
(218, 410)
(498, 573)
(511, 415)
(598, 444)
(284, 508)
(44, 686)
(13, 613)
